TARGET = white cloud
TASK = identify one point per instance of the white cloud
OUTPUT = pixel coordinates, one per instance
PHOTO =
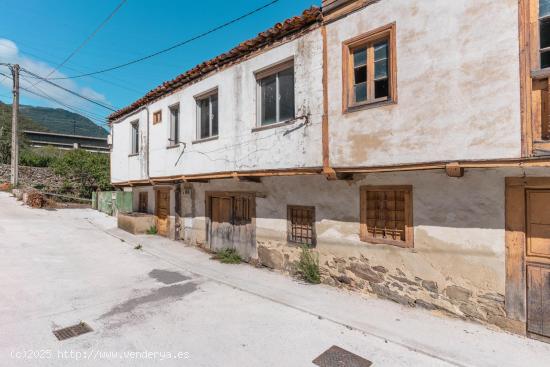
(9, 53)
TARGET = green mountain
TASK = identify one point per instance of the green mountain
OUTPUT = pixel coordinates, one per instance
(24, 122)
(61, 121)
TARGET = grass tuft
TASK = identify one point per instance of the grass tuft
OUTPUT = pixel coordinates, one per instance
(308, 266)
(152, 230)
(138, 247)
(228, 256)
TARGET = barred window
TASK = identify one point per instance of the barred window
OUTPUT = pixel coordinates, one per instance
(301, 225)
(386, 215)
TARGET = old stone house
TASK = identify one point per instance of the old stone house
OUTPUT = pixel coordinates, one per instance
(406, 141)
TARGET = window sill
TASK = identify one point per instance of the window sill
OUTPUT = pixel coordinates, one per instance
(366, 106)
(204, 140)
(540, 74)
(133, 155)
(172, 146)
(274, 126)
(383, 241)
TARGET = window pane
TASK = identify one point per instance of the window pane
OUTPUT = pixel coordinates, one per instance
(545, 60)
(381, 88)
(545, 34)
(286, 94)
(381, 51)
(214, 102)
(360, 57)
(268, 100)
(380, 69)
(360, 74)
(544, 8)
(360, 92)
(204, 118)
(174, 122)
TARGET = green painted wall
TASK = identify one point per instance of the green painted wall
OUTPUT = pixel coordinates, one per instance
(113, 202)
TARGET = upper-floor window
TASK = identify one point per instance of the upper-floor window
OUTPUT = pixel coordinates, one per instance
(207, 115)
(135, 137)
(544, 33)
(369, 68)
(174, 125)
(157, 117)
(275, 94)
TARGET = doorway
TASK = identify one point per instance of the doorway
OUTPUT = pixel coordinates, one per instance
(163, 211)
(538, 261)
(231, 222)
(527, 224)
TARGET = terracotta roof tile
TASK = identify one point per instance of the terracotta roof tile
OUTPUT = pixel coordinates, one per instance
(307, 18)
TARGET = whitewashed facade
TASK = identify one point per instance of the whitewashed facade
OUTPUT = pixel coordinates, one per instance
(445, 142)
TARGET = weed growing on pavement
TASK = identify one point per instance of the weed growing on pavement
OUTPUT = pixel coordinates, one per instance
(152, 230)
(308, 266)
(228, 256)
(138, 247)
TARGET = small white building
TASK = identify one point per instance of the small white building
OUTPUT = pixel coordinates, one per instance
(407, 141)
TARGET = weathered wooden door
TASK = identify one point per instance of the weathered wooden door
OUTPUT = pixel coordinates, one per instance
(538, 261)
(231, 224)
(163, 212)
(221, 232)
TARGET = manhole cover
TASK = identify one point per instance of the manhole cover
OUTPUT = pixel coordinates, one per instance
(72, 331)
(338, 357)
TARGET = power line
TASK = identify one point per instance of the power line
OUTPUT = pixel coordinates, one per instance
(68, 90)
(44, 95)
(224, 25)
(89, 114)
(125, 86)
(88, 39)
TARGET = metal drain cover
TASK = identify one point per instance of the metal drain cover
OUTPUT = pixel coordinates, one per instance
(338, 357)
(72, 331)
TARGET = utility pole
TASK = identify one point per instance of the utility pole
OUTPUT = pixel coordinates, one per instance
(14, 129)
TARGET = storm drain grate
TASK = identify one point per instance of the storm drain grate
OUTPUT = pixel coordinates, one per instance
(338, 357)
(72, 331)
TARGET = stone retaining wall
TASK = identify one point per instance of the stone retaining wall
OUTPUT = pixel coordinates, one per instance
(39, 177)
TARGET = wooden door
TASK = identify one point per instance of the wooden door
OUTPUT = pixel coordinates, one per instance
(221, 232)
(163, 212)
(231, 223)
(243, 230)
(538, 261)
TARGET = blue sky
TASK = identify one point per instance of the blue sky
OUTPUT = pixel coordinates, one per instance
(39, 34)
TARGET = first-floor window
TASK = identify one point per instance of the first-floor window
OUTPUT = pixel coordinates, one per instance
(386, 215)
(301, 225)
(207, 115)
(174, 125)
(135, 137)
(275, 95)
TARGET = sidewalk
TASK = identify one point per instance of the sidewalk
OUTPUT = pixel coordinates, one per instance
(450, 340)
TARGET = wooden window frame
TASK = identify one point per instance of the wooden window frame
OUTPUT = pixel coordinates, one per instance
(265, 73)
(174, 128)
(157, 117)
(290, 237)
(199, 98)
(367, 39)
(134, 137)
(408, 216)
(534, 83)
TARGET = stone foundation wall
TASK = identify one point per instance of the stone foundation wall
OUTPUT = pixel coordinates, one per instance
(360, 274)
